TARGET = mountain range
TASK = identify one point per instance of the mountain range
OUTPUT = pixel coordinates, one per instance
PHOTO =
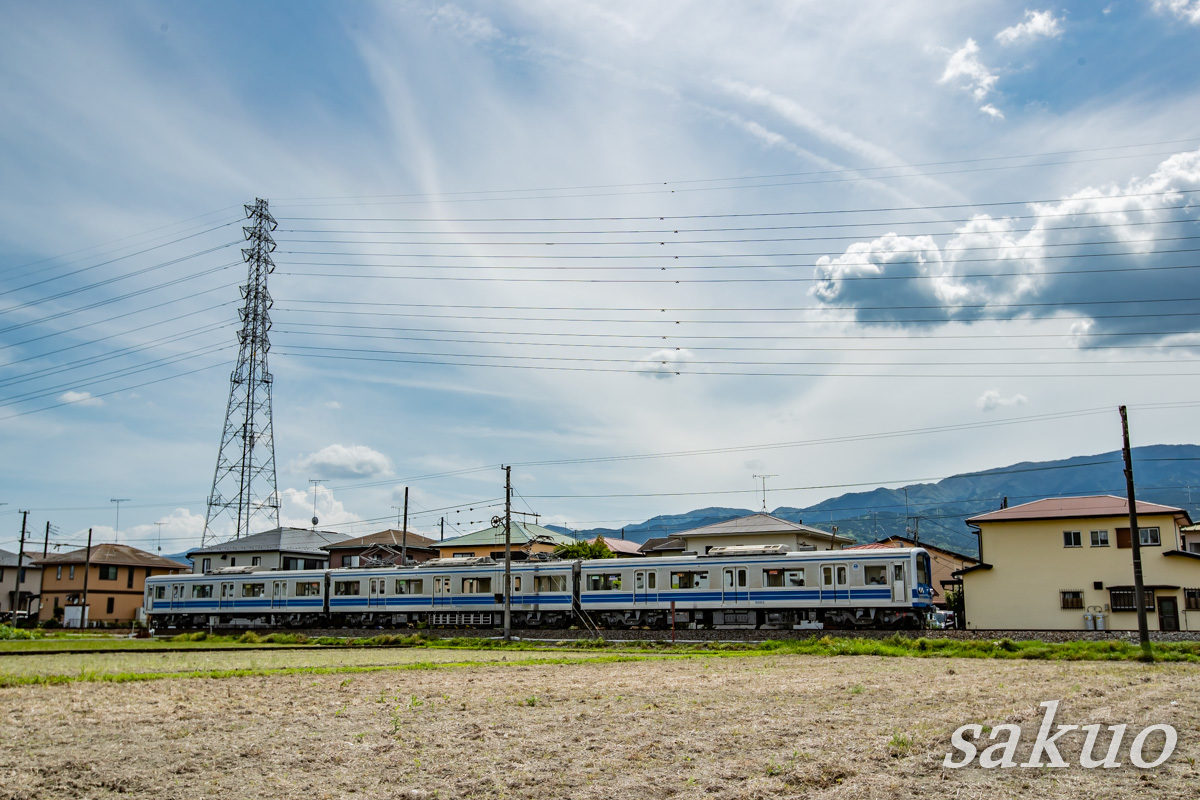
(935, 513)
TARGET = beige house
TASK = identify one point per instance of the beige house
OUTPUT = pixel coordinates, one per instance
(525, 539)
(760, 529)
(20, 587)
(1047, 563)
(112, 578)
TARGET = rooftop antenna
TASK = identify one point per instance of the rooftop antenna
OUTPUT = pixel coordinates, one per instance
(763, 478)
(117, 531)
(160, 523)
(316, 482)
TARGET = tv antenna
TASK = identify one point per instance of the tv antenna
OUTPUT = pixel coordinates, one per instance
(763, 478)
(316, 482)
(117, 529)
(160, 523)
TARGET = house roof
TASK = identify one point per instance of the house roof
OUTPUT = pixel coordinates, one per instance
(282, 540)
(758, 524)
(388, 537)
(8, 559)
(662, 544)
(121, 554)
(1101, 505)
(522, 534)
(622, 546)
(926, 546)
(870, 546)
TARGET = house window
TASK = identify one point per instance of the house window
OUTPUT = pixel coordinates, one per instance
(255, 561)
(108, 607)
(410, 586)
(477, 585)
(551, 583)
(129, 579)
(58, 574)
(464, 555)
(604, 582)
(108, 572)
(254, 589)
(1072, 539)
(233, 561)
(1071, 599)
(308, 589)
(1123, 599)
(201, 590)
(206, 565)
(1191, 598)
(346, 588)
(71, 575)
(1149, 537)
(1099, 538)
(350, 561)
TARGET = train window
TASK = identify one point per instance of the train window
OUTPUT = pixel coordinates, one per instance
(741, 579)
(689, 580)
(728, 579)
(346, 588)
(160, 592)
(477, 585)
(841, 575)
(772, 577)
(307, 588)
(652, 578)
(795, 577)
(550, 583)
(202, 590)
(923, 570)
(517, 583)
(410, 586)
(603, 583)
(875, 575)
(254, 589)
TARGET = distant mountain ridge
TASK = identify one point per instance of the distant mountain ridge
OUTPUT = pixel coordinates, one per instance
(935, 512)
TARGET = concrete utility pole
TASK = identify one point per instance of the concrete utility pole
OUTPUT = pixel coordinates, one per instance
(404, 532)
(46, 544)
(20, 568)
(508, 554)
(1135, 538)
(87, 567)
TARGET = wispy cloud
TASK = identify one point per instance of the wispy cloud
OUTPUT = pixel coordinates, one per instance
(992, 400)
(80, 398)
(1186, 10)
(965, 69)
(1037, 24)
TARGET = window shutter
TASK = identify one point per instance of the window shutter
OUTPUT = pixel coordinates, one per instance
(1123, 538)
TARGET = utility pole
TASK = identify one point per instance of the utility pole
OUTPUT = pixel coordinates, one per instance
(20, 567)
(244, 482)
(404, 532)
(508, 554)
(442, 530)
(117, 530)
(46, 544)
(1135, 538)
(87, 567)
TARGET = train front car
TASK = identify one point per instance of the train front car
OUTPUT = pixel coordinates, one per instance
(760, 587)
(236, 596)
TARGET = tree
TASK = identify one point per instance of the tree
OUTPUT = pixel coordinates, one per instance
(584, 550)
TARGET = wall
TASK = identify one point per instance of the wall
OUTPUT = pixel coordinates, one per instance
(32, 585)
(1031, 567)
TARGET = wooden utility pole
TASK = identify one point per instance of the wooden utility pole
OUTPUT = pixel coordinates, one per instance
(87, 567)
(404, 532)
(46, 544)
(20, 568)
(1135, 538)
(508, 554)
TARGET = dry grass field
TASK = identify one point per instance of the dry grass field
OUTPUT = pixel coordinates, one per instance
(714, 727)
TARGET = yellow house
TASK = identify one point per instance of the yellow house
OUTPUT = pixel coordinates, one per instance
(111, 576)
(1047, 563)
(525, 539)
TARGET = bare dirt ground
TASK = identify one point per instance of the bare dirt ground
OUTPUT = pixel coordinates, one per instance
(745, 727)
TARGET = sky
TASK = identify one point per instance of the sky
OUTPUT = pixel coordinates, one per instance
(640, 252)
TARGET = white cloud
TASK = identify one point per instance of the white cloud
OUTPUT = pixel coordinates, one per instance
(992, 399)
(1036, 24)
(964, 67)
(296, 510)
(991, 111)
(334, 404)
(344, 461)
(663, 364)
(464, 24)
(1187, 10)
(80, 398)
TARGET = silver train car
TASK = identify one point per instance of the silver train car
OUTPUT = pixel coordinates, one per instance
(729, 587)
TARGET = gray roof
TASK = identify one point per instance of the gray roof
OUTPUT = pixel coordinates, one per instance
(279, 540)
(761, 523)
(520, 534)
(8, 559)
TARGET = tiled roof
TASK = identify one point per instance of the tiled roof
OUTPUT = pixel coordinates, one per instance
(870, 546)
(1104, 505)
(663, 544)
(624, 546)
(911, 543)
(387, 537)
(281, 540)
(760, 523)
(522, 533)
(121, 554)
(8, 559)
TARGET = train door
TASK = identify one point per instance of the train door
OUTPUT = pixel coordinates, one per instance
(176, 596)
(734, 584)
(441, 591)
(278, 594)
(226, 595)
(644, 585)
(899, 590)
(834, 588)
(375, 592)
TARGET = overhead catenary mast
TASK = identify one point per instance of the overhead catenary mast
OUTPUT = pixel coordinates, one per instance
(244, 487)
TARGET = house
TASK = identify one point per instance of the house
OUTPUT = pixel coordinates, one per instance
(1045, 564)
(112, 577)
(526, 539)
(20, 589)
(662, 546)
(761, 529)
(383, 547)
(1190, 535)
(621, 548)
(943, 563)
(278, 549)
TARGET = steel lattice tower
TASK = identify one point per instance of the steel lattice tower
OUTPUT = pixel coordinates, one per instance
(244, 484)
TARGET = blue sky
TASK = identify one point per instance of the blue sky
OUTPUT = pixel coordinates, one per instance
(914, 216)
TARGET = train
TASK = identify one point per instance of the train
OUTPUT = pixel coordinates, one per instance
(741, 586)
